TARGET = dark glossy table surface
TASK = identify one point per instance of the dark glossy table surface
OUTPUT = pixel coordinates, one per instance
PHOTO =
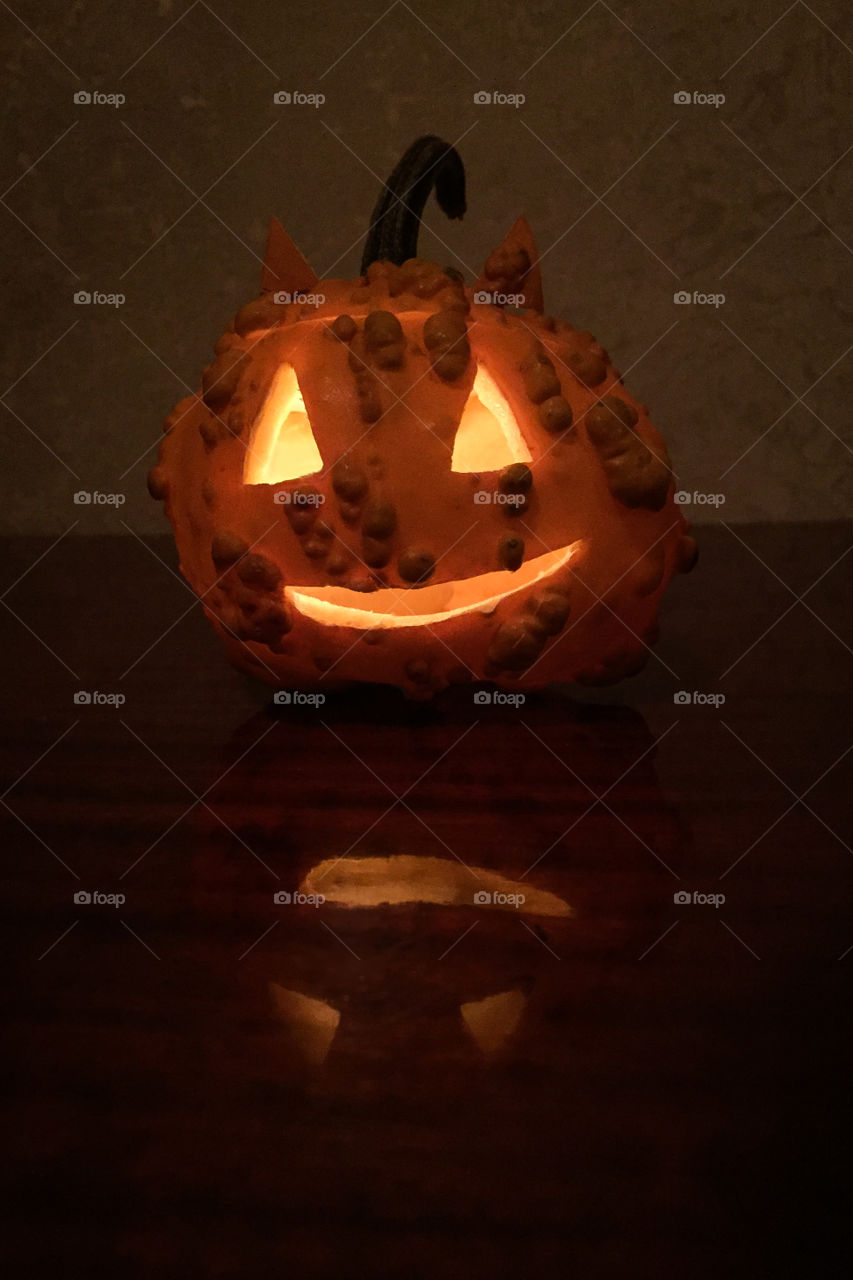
(206, 1082)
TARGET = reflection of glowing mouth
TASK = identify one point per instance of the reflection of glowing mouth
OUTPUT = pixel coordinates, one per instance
(393, 607)
(407, 878)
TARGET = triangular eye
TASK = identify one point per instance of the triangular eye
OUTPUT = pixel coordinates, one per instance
(488, 437)
(282, 446)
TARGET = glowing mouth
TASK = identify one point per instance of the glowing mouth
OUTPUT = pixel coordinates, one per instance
(393, 606)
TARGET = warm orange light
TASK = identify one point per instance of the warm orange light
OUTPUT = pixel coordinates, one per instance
(395, 607)
(312, 1023)
(382, 882)
(488, 436)
(282, 445)
(491, 1022)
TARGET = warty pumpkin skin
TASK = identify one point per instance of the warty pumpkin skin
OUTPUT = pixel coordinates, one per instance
(579, 533)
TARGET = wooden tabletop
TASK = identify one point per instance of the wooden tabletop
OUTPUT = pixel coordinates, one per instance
(209, 1082)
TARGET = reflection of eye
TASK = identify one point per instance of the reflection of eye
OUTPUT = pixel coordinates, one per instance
(282, 446)
(492, 1021)
(312, 1023)
(488, 437)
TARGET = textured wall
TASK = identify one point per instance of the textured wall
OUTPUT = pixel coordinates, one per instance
(632, 196)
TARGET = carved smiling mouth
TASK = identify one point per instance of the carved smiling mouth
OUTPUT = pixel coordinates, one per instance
(394, 607)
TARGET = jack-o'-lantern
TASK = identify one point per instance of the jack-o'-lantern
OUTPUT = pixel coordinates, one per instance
(399, 479)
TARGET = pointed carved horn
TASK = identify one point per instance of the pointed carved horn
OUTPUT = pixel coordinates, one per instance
(284, 266)
(514, 267)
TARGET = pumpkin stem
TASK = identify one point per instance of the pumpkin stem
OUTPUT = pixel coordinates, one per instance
(396, 219)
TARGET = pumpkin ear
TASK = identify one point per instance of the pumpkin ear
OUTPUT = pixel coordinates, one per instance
(284, 266)
(514, 267)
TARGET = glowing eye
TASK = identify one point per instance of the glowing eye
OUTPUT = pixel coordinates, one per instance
(282, 446)
(488, 437)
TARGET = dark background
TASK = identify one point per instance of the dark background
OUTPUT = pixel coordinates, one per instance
(166, 199)
(673, 1100)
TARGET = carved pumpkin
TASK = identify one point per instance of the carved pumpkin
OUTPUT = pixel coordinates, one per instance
(389, 479)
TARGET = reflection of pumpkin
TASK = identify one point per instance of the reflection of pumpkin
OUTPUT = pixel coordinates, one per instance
(392, 480)
(358, 977)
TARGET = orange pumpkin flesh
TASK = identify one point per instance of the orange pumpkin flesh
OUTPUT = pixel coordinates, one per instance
(323, 487)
